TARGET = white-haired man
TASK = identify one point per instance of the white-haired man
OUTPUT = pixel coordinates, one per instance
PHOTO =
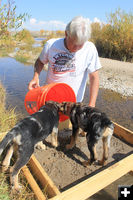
(70, 60)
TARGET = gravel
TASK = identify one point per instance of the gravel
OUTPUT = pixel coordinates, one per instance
(116, 76)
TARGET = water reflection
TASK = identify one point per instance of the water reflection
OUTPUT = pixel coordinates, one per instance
(15, 77)
(38, 42)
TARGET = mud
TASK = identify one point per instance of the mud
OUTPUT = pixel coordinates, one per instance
(65, 167)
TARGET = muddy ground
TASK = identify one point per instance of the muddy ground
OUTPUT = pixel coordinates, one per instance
(65, 167)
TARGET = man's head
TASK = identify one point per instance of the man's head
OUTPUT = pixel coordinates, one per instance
(77, 33)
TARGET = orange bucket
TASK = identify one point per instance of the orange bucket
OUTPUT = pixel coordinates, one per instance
(59, 92)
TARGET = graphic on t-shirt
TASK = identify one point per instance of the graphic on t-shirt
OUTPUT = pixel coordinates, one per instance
(64, 62)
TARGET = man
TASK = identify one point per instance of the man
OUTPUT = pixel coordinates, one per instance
(70, 60)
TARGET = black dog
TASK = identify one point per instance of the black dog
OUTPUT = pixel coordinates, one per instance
(92, 121)
(26, 134)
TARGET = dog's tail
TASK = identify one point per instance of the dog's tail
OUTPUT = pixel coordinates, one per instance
(7, 139)
(108, 123)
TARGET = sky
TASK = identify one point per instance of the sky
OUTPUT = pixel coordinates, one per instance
(55, 14)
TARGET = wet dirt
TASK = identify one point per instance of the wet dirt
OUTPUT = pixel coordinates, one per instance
(65, 166)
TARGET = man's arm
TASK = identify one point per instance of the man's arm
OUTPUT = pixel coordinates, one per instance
(38, 66)
(34, 83)
(93, 88)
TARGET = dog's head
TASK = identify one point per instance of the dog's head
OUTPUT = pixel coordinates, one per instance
(65, 107)
(53, 105)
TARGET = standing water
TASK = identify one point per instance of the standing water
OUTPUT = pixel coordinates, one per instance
(15, 77)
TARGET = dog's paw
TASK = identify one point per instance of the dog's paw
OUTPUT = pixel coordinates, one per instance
(16, 189)
(54, 144)
(40, 146)
(102, 162)
(86, 163)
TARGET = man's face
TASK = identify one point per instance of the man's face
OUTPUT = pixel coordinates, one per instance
(71, 45)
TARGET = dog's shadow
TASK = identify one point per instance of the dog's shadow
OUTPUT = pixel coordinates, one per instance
(118, 156)
(71, 153)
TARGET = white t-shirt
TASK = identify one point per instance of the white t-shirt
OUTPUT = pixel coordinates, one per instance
(70, 68)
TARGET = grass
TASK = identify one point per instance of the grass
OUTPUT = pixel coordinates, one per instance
(8, 119)
(23, 58)
(5, 51)
(27, 54)
(6, 194)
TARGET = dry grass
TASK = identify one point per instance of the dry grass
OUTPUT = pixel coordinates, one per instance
(8, 119)
(5, 190)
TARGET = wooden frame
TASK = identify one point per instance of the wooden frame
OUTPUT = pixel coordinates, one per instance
(40, 175)
(97, 182)
(35, 174)
(80, 191)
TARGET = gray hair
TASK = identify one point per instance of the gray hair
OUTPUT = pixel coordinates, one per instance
(79, 28)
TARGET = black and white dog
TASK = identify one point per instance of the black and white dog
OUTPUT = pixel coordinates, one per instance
(26, 134)
(92, 121)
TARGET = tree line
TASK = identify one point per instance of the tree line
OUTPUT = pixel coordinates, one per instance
(113, 39)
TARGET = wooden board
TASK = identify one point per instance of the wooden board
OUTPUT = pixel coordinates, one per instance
(97, 182)
(30, 179)
(123, 133)
(43, 177)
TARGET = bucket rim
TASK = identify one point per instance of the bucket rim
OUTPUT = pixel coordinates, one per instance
(52, 85)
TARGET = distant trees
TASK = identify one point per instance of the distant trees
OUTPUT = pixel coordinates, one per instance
(53, 34)
(115, 39)
(42, 32)
(24, 36)
(9, 20)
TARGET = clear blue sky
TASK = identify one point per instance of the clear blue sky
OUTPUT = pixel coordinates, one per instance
(55, 14)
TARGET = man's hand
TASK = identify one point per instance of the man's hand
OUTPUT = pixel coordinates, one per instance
(34, 83)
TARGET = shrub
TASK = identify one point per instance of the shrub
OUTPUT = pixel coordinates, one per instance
(115, 39)
(53, 34)
(22, 57)
(25, 36)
